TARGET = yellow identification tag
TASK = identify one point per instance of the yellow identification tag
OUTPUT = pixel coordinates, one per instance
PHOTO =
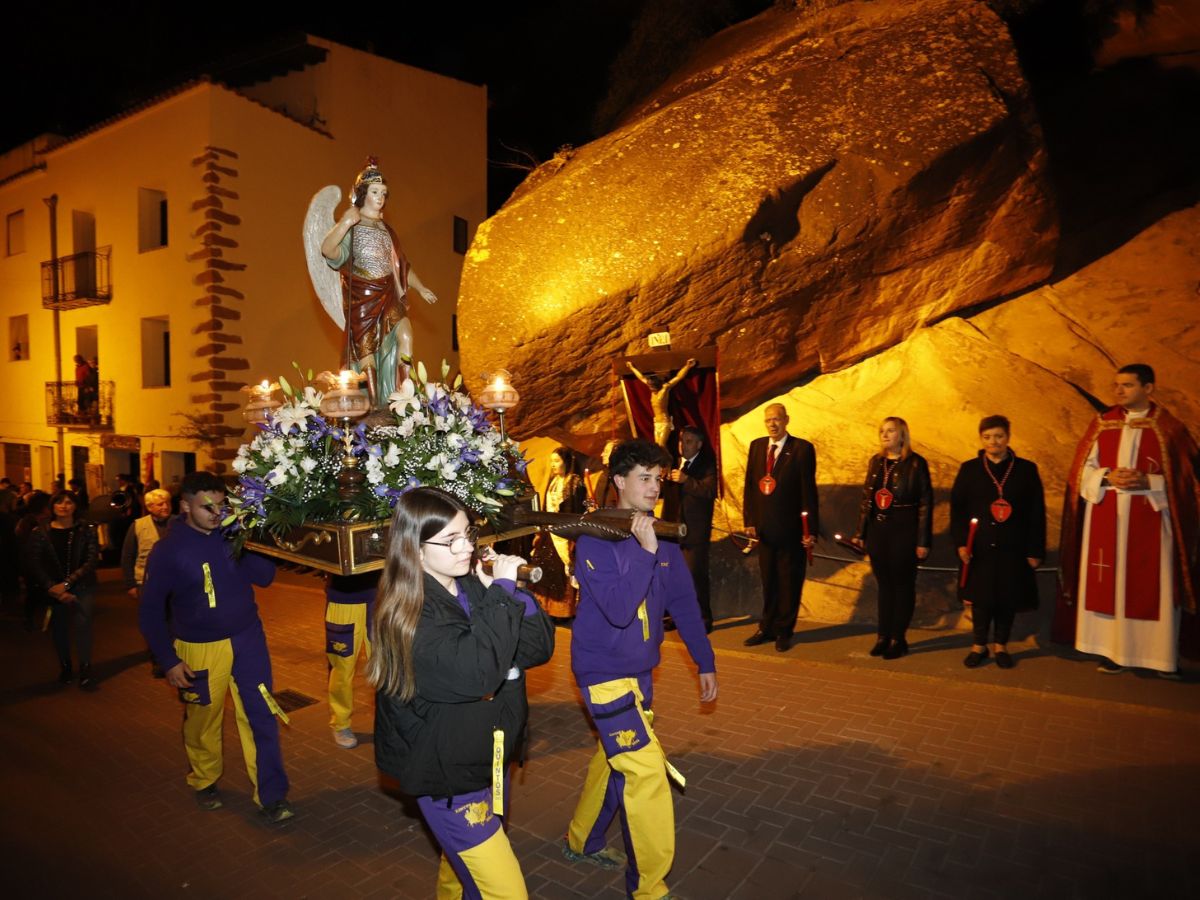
(272, 704)
(498, 772)
(645, 621)
(208, 587)
(589, 565)
(676, 775)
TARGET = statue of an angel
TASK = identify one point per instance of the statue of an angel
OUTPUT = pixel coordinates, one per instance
(375, 278)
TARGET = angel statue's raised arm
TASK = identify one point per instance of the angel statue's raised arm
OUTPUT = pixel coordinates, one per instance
(375, 278)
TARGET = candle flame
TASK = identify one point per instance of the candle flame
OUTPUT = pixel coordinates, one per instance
(344, 377)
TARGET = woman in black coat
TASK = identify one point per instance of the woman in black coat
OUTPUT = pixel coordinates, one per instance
(448, 663)
(1003, 494)
(895, 527)
(61, 562)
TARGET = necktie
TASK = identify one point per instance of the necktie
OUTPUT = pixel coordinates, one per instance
(686, 464)
(770, 458)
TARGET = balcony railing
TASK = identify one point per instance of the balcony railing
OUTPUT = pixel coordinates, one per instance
(83, 279)
(70, 406)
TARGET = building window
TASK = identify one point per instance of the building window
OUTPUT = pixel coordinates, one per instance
(152, 220)
(156, 352)
(18, 337)
(460, 235)
(15, 233)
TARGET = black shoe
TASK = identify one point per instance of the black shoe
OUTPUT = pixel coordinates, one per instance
(975, 659)
(880, 646)
(1108, 667)
(783, 644)
(1003, 660)
(279, 811)
(759, 637)
(896, 649)
(66, 676)
(668, 624)
(86, 681)
(208, 798)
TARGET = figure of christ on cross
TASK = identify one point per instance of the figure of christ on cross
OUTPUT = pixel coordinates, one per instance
(660, 393)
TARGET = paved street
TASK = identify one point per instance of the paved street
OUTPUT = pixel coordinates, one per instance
(820, 773)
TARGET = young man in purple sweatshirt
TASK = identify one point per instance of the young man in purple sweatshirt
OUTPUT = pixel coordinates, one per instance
(625, 589)
(214, 643)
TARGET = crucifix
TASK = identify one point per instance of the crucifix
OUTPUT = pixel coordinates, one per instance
(1101, 566)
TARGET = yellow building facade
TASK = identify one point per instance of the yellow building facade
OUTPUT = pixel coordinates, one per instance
(180, 261)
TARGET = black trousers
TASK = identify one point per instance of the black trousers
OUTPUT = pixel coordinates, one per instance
(782, 566)
(892, 546)
(696, 557)
(997, 580)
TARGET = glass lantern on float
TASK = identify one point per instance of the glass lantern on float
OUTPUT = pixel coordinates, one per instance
(261, 402)
(346, 403)
(499, 396)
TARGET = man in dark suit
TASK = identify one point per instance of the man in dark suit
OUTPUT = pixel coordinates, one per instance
(781, 485)
(689, 499)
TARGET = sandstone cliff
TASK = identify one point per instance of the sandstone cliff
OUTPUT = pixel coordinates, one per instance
(810, 191)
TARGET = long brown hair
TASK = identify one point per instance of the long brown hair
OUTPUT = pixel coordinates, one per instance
(420, 514)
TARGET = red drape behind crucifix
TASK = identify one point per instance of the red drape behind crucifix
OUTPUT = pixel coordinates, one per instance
(696, 400)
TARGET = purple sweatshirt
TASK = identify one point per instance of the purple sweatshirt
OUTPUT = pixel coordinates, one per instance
(176, 570)
(609, 639)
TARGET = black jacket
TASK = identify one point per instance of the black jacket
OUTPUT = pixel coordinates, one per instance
(691, 502)
(1024, 533)
(777, 517)
(910, 485)
(440, 743)
(42, 565)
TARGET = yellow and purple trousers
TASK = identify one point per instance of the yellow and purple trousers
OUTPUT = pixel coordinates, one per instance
(241, 666)
(478, 862)
(347, 635)
(628, 774)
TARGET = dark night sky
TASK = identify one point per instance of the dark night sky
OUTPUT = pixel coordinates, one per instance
(546, 62)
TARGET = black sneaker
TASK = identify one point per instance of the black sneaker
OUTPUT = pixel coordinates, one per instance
(209, 798)
(279, 811)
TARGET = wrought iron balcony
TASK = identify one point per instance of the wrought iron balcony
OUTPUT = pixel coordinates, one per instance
(93, 411)
(82, 279)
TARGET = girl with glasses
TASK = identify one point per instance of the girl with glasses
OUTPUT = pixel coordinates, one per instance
(451, 648)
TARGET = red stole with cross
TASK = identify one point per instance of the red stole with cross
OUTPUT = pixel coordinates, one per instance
(1144, 533)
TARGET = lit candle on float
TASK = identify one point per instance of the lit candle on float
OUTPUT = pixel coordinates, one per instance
(808, 550)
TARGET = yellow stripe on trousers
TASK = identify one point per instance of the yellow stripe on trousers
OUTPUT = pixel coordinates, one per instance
(342, 668)
(202, 724)
(646, 798)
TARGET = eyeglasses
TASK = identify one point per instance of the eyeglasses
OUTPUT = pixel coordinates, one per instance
(460, 544)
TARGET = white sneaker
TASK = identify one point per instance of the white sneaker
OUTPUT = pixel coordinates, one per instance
(345, 739)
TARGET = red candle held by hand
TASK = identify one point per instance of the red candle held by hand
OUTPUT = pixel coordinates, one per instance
(591, 495)
(962, 582)
(807, 534)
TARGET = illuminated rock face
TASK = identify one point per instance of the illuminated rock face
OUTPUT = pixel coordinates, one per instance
(808, 193)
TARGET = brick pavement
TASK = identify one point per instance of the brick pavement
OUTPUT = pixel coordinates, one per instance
(810, 779)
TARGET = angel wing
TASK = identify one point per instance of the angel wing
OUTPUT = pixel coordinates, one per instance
(325, 281)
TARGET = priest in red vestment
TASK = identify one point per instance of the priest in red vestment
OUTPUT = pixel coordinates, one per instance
(1130, 553)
